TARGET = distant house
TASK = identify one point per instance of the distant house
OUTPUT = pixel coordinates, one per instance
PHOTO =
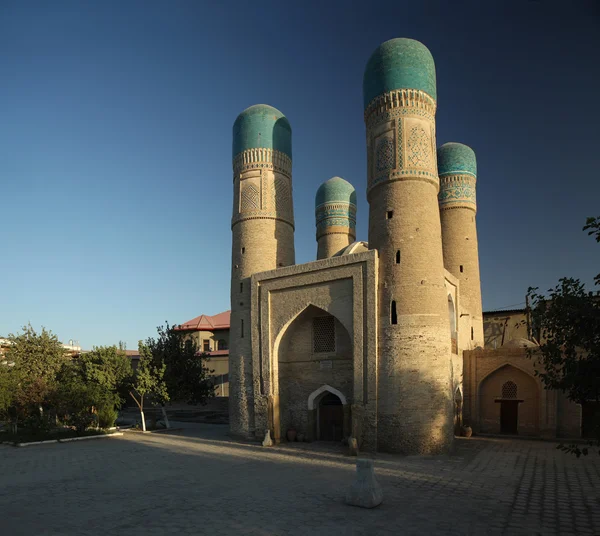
(212, 337)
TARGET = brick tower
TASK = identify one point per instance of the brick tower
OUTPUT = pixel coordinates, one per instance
(414, 369)
(457, 168)
(335, 215)
(263, 236)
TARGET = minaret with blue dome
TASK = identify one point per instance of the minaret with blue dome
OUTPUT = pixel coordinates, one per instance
(335, 216)
(457, 168)
(414, 407)
(262, 226)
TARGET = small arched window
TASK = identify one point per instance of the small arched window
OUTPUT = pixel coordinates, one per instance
(509, 390)
(452, 316)
(398, 257)
(393, 313)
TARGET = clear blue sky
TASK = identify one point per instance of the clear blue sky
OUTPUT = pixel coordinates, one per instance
(115, 142)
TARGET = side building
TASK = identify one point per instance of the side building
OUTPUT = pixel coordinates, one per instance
(503, 394)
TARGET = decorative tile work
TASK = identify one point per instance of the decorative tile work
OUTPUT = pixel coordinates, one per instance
(418, 151)
(457, 190)
(250, 197)
(385, 157)
(377, 117)
(281, 198)
(335, 215)
(262, 159)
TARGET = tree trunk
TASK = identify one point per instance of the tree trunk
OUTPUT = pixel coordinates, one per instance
(143, 420)
(166, 419)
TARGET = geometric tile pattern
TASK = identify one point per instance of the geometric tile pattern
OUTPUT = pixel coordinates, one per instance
(385, 154)
(250, 198)
(419, 148)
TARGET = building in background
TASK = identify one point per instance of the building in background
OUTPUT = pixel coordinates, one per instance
(211, 334)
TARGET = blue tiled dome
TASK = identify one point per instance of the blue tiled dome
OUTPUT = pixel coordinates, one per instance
(262, 126)
(399, 64)
(334, 190)
(456, 158)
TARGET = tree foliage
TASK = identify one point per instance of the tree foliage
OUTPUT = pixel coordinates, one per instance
(148, 381)
(186, 377)
(29, 376)
(108, 367)
(567, 320)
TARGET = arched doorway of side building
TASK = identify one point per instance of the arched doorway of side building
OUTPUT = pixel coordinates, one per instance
(509, 402)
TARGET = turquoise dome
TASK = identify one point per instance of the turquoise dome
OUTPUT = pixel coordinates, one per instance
(399, 64)
(456, 158)
(262, 126)
(335, 190)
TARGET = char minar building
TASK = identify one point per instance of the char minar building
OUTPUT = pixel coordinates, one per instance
(367, 340)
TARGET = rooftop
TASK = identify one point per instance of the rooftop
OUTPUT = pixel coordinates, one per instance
(207, 323)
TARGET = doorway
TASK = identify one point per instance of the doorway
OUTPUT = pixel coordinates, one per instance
(331, 418)
(509, 416)
(590, 420)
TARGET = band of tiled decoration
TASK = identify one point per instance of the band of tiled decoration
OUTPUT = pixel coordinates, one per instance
(335, 205)
(335, 215)
(457, 168)
(261, 158)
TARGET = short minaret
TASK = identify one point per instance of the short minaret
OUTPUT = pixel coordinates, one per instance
(414, 409)
(457, 168)
(263, 237)
(335, 214)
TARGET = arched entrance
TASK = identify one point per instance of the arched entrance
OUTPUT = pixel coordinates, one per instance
(509, 402)
(314, 351)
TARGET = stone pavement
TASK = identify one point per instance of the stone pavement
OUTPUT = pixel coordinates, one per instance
(200, 482)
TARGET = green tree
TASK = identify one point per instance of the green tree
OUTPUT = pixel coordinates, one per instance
(187, 378)
(9, 381)
(37, 358)
(148, 381)
(567, 321)
(80, 401)
(107, 366)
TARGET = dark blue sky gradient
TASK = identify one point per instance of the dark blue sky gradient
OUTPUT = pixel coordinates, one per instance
(115, 142)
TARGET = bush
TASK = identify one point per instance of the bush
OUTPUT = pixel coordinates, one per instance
(107, 417)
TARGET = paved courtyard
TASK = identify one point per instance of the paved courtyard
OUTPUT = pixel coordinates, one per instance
(200, 482)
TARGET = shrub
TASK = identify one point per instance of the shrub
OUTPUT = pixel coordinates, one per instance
(107, 416)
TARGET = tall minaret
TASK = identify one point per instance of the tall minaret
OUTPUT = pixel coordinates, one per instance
(335, 215)
(414, 411)
(457, 168)
(263, 236)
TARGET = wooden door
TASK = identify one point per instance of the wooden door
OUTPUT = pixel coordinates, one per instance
(590, 419)
(509, 416)
(331, 418)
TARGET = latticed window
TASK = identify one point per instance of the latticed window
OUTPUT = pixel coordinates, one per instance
(509, 390)
(323, 334)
